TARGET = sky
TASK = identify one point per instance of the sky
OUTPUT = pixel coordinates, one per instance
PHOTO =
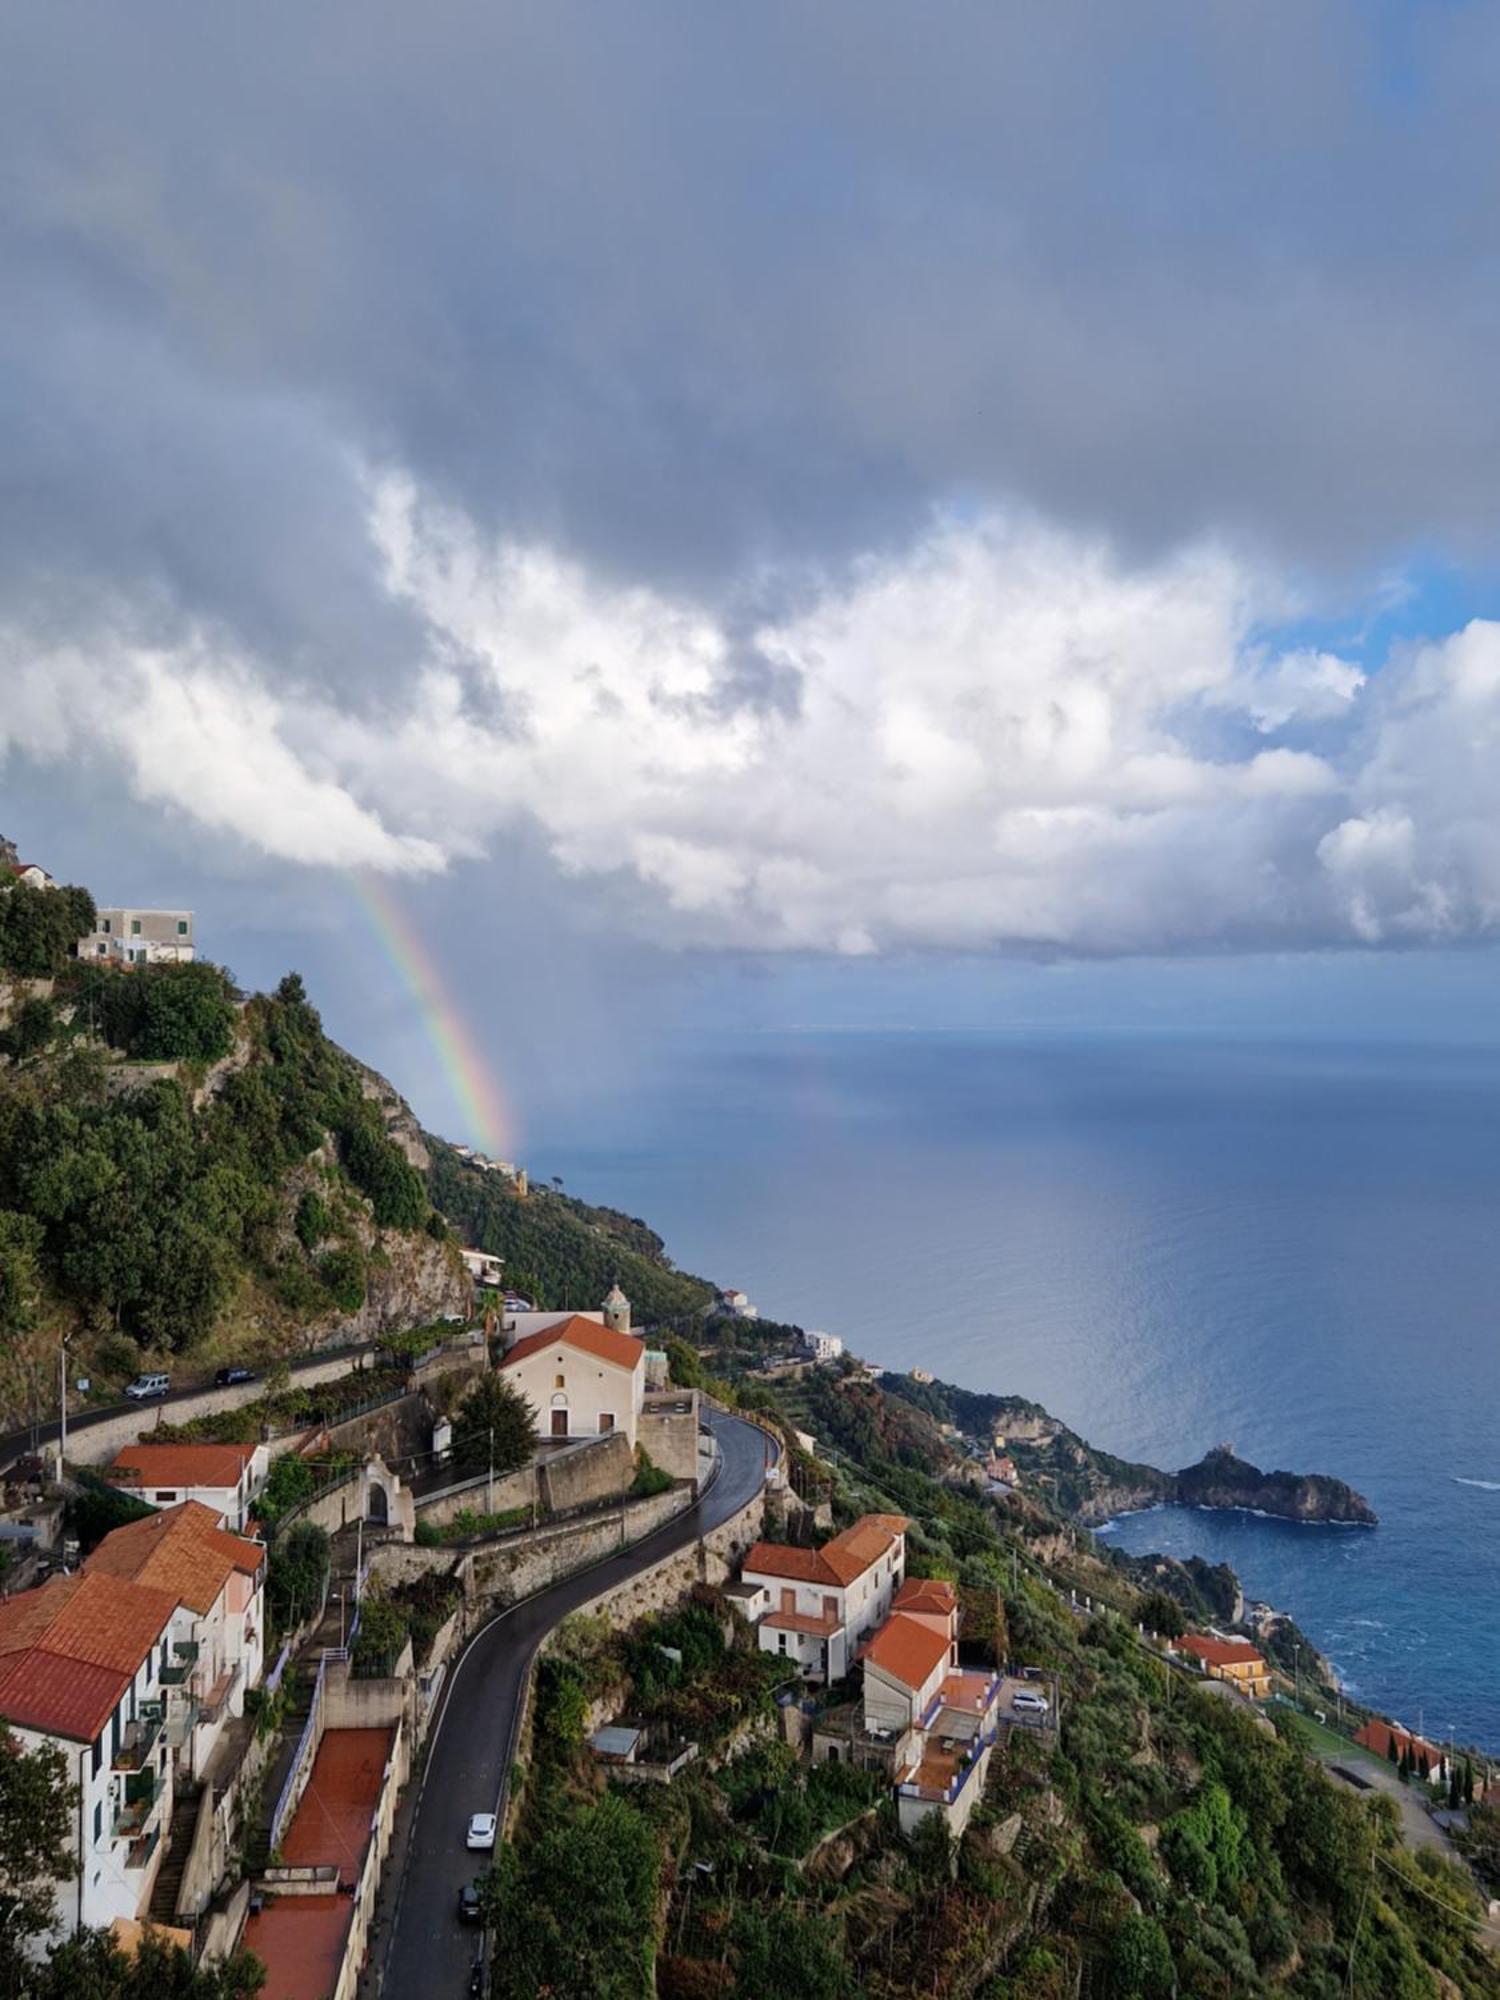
(771, 516)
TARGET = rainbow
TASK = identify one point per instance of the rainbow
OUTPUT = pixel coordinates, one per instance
(486, 1117)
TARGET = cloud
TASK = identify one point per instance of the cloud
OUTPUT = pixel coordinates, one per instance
(1002, 736)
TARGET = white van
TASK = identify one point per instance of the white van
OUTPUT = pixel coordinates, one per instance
(144, 1387)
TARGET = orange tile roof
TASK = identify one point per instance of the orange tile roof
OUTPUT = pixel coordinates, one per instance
(623, 1350)
(933, 1595)
(178, 1549)
(840, 1562)
(1221, 1652)
(69, 1650)
(300, 1942)
(907, 1650)
(214, 1465)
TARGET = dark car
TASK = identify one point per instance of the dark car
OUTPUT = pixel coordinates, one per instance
(470, 1909)
(227, 1377)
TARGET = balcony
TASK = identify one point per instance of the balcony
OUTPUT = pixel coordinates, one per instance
(142, 1792)
(140, 1851)
(139, 1740)
(214, 1701)
(182, 1721)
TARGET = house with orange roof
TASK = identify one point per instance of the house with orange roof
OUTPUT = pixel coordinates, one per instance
(816, 1607)
(942, 1719)
(217, 1583)
(224, 1477)
(584, 1374)
(1236, 1661)
(82, 1666)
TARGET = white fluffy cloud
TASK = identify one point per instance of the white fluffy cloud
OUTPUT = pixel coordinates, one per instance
(1002, 736)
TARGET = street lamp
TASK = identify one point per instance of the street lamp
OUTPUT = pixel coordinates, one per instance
(1297, 1670)
(62, 1395)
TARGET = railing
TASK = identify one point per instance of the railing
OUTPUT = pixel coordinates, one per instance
(140, 1851)
(291, 1792)
(141, 1794)
(138, 1742)
(945, 1795)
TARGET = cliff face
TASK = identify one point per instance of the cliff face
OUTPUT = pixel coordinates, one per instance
(1220, 1479)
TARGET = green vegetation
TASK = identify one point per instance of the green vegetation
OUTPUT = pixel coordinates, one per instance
(145, 1214)
(561, 1251)
(649, 1478)
(40, 927)
(494, 1427)
(296, 1575)
(389, 1617)
(96, 1510)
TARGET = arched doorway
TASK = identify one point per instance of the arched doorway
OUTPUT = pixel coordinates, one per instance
(377, 1506)
(559, 1416)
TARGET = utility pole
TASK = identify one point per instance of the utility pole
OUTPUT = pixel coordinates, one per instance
(62, 1392)
(1297, 1671)
(489, 1484)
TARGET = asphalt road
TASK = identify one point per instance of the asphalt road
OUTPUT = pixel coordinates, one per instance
(32, 1437)
(426, 1950)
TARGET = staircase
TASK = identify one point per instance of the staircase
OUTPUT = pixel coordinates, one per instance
(257, 1838)
(169, 1876)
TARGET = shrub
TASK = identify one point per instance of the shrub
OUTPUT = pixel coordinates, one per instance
(342, 1272)
(313, 1221)
(649, 1477)
(296, 1574)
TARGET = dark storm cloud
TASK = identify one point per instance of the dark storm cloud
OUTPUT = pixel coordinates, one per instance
(684, 289)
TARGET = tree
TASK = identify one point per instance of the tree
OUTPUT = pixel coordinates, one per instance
(87, 1967)
(97, 1509)
(577, 1910)
(188, 1014)
(1162, 1614)
(493, 1416)
(36, 1815)
(1140, 1960)
(381, 1635)
(296, 1574)
(683, 1363)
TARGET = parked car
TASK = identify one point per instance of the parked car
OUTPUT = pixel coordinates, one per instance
(481, 1837)
(227, 1377)
(470, 1908)
(144, 1387)
(1028, 1703)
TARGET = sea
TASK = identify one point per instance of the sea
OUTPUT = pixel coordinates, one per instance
(1171, 1242)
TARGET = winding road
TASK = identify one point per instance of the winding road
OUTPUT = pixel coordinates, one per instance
(423, 1950)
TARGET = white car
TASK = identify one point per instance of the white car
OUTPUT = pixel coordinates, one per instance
(1027, 1703)
(481, 1832)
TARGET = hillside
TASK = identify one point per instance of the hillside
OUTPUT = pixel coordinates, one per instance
(558, 1250)
(188, 1172)
(1168, 1843)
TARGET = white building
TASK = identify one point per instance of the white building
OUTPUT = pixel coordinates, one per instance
(941, 1718)
(81, 1666)
(218, 1627)
(823, 1346)
(223, 1477)
(139, 937)
(815, 1607)
(582, 1376)
(484, 1268)
(31, 873)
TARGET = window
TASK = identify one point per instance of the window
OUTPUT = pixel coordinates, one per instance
(164, 1499)
(103, 949)
(135, 926)
(558, 1382)
(181, 928)
(606, 1421)
(96, 1758)
(98, 1822)
(104, 925)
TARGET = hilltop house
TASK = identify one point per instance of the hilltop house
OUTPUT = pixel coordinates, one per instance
(1232, 1660)
(484, 1268)
(139, 937)
(31, 873)
(584, 1374)
(815, 1607)
(225, 1478)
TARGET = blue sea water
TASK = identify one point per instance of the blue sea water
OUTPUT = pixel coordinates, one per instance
(1292, 1247)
